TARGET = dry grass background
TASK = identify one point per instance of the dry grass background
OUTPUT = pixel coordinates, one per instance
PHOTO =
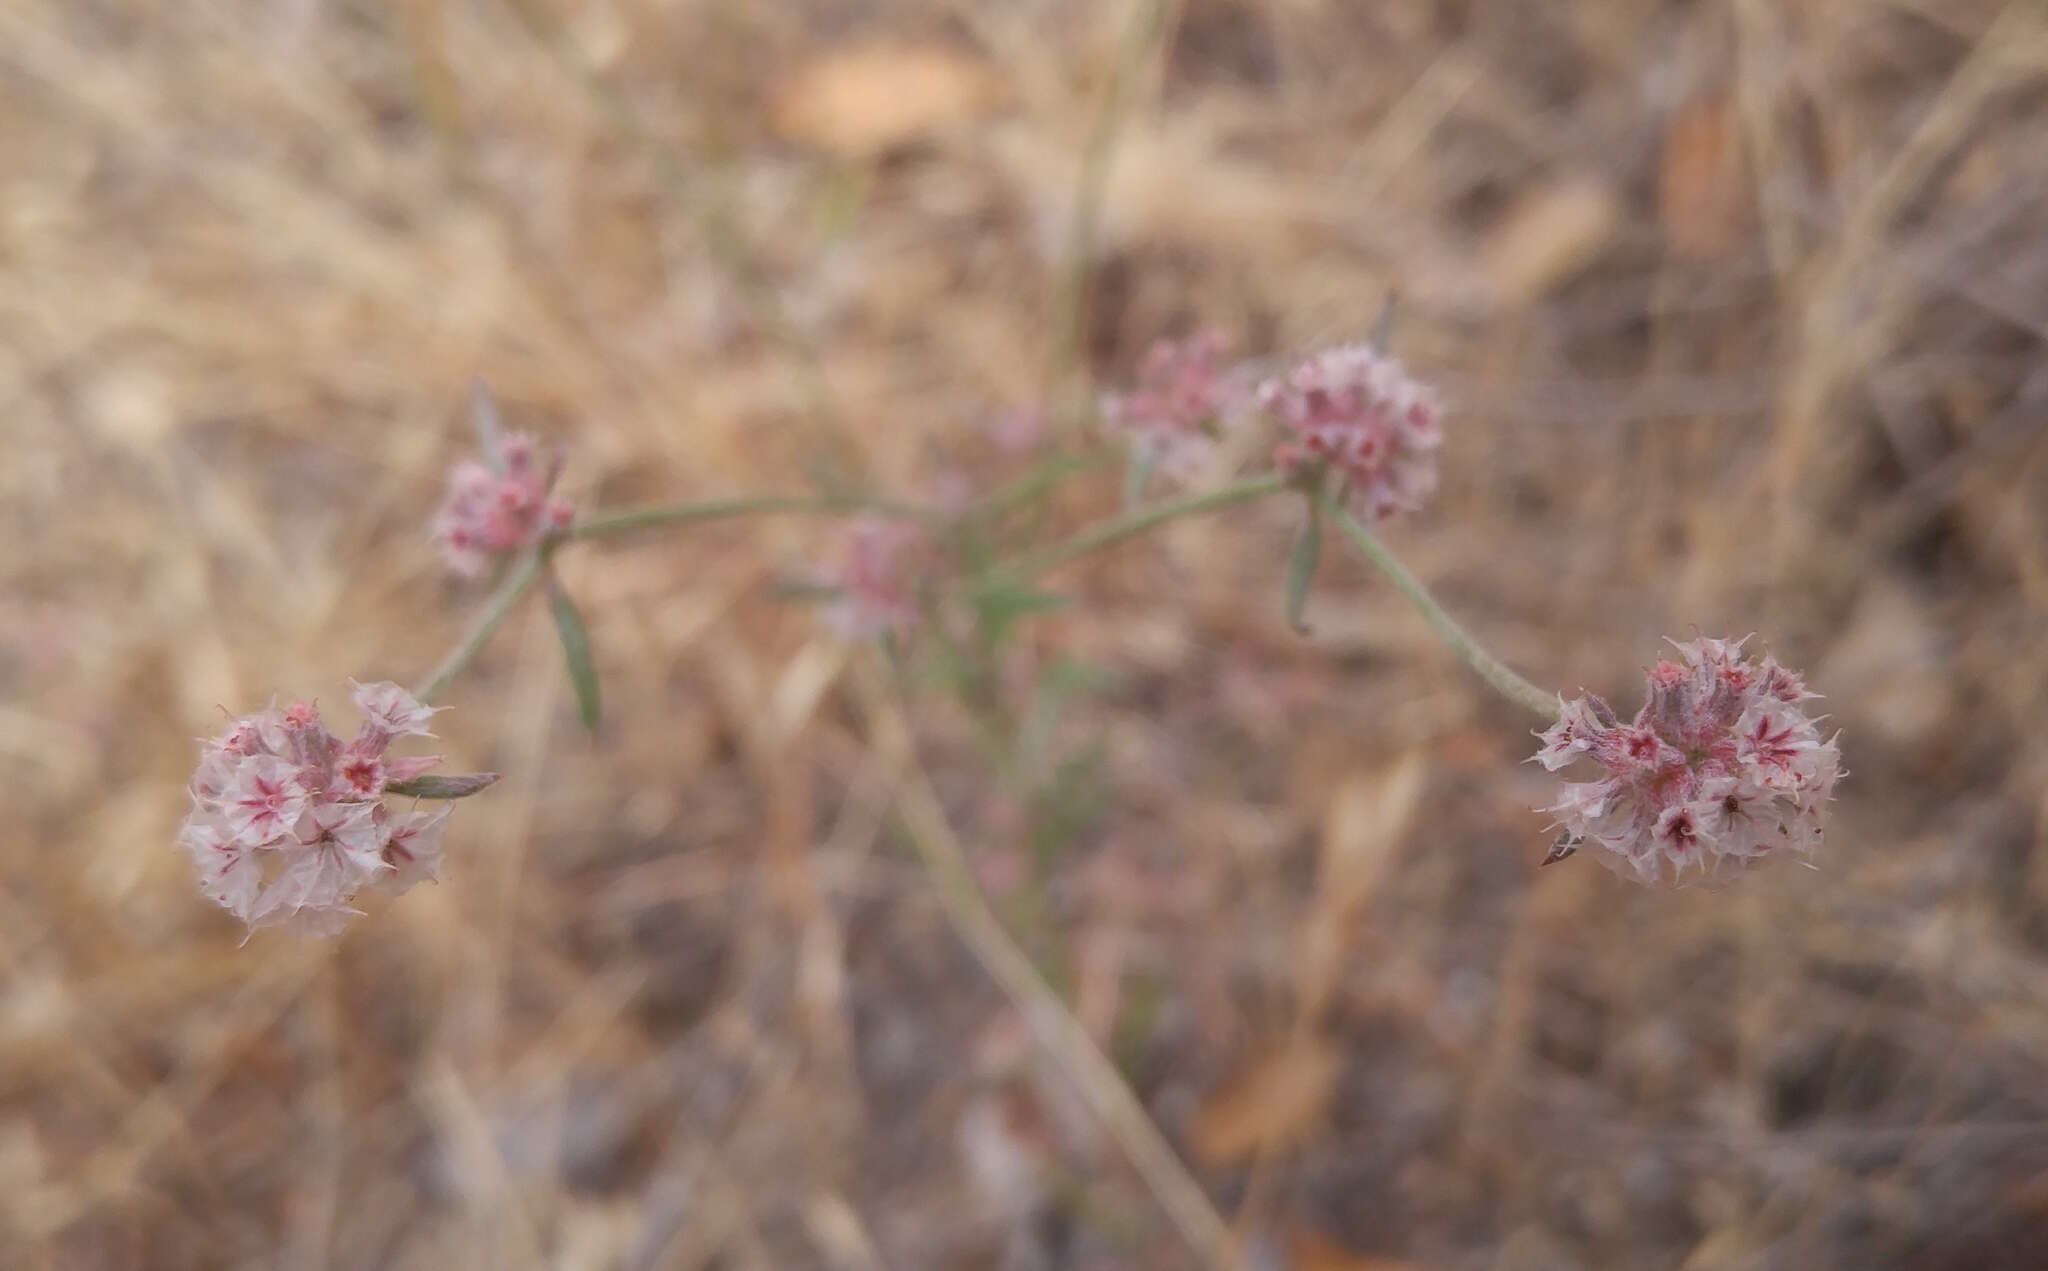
(1741, 308)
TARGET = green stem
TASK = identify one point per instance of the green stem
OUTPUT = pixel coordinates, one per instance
(515, 585)
(528, 568)
(1138, 520)
(629, 519)
(1047, 474)
(1496, 673)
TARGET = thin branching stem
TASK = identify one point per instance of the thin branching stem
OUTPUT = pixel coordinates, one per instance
(1140, 519)
(1497, 674)
(1102, 1087)
(1033, 485)
(529, 566)
(626, 520)
(516, 584)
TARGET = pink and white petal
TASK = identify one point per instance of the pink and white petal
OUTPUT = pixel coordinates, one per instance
(232, 881)
(392, 709)
(316, 878)
(313, 890)
(413, 850)
(263, 799)
(229, 874)
(409, 767)
(356, 833)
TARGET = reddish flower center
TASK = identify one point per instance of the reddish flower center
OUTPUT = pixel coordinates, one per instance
(362, 774)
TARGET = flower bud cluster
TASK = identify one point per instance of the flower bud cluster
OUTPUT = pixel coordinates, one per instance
(1353, 409)
(489, 514)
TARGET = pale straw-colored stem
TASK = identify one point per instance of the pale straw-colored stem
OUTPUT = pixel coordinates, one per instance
(1101, 1086)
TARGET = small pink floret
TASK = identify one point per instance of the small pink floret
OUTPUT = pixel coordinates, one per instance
(392, 710)
(413, 850)
(362, 775)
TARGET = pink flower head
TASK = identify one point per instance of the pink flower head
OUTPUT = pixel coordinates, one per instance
(1183, 403)
(288, 823)
(1353, 409)
(876, 579)
(487, 515)
(1721, 768)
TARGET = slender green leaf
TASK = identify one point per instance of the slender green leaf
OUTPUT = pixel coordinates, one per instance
(1301, 567)
(458, 787)
(575, 651)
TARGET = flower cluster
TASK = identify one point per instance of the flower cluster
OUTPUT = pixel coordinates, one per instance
(1354, 409)
(875, 582)
(289, 822)
(1720, 769)
(490, 513)
(1181, 405)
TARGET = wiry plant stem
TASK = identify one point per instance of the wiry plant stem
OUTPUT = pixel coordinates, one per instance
(1138, 520)
(516, 583)
(629, 519)
(1034, 484)
(528, 568)
(1102, 1087)
(1497, 674)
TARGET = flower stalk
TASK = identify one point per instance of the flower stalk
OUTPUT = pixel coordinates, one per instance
(1140, 519)
(524, 573)
(1498, 675)
(628, 520)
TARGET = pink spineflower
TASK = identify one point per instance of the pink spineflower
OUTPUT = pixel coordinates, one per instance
(289, 823)
(1353, 409)
(491, 512)
(1720, 769)
(876, 579)
(1182, 405)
